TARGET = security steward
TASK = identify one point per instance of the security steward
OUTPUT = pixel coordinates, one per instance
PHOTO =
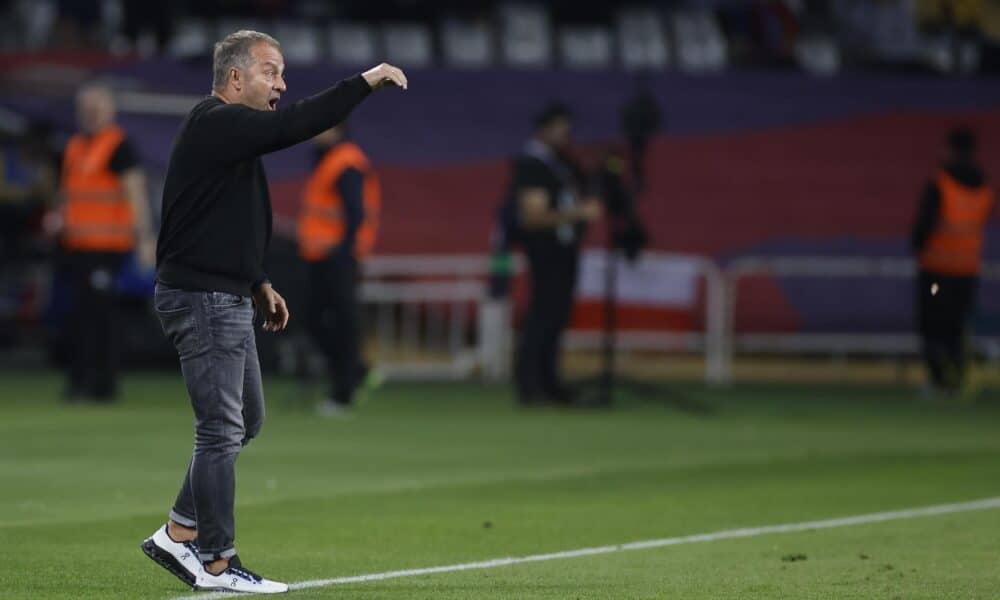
(337, 228)
(103, 218)
(948, 240)
(547, 218)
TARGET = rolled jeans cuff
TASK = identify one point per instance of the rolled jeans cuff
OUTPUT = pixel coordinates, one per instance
(180, 519)
(209, 556)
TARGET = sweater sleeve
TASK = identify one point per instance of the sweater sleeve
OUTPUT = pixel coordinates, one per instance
(236, 132)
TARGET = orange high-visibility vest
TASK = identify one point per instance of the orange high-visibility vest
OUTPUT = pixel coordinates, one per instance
(321, 221)
(955, 246)
(97, 216)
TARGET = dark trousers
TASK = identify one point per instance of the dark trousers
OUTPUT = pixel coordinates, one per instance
(553, 270)
(942, 319)
(214, 338)
(334, 322)
(93, 325)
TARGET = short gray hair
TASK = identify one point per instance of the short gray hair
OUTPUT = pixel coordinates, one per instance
(234, 51)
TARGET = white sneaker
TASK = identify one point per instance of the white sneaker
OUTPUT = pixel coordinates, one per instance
(180, 558)
(236, 578)
(332, 408)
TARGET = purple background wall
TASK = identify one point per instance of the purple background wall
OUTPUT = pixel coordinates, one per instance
(747, 163)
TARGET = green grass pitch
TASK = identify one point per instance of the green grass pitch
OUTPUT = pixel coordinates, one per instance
(440, 474)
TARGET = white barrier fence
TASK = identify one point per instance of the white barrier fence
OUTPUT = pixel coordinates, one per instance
(834, 343)
(408, 291)
(422, 312)
(438, 306)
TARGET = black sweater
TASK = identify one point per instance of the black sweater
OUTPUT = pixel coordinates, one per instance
(216, 222)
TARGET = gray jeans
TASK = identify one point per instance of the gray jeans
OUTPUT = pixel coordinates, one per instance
(214, 337)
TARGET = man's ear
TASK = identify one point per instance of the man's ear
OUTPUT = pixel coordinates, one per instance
(234, 76)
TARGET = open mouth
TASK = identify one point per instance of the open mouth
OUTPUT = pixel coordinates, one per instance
(272, 104)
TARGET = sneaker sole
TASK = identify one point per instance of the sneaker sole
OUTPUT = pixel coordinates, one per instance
(207, 588)
(168, 562)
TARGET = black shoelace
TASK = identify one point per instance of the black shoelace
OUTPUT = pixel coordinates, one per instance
(237, 567)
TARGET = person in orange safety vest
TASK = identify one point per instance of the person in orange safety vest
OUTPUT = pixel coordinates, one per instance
(948, 241)
(103, 217)
(337, 228)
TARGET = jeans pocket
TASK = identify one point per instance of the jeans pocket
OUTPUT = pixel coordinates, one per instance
(172, 301)
(181, 328)
(225, 300)
(176, 310)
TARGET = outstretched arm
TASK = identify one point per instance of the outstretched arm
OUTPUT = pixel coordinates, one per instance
(235, 132)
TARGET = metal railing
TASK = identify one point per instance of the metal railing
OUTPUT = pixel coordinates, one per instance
(453, 282)
(423, 308)
(824, 267)
(421, 305)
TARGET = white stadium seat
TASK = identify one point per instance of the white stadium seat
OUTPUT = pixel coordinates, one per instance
(642, 43)
(467, 44)
(300, 42)
(701, 46)
(585, 47)
(192, 37)
(818, 54)
(352, 44)
(408, 44)
(526, 35)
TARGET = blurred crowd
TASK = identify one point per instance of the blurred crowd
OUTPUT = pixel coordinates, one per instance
(755, 31)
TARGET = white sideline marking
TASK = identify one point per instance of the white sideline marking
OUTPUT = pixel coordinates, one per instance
(892, 515)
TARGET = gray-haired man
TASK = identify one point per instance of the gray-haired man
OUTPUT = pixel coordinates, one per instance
(216, 226)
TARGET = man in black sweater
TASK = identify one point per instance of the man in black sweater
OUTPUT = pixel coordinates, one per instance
(947, 238)
(216, 226)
